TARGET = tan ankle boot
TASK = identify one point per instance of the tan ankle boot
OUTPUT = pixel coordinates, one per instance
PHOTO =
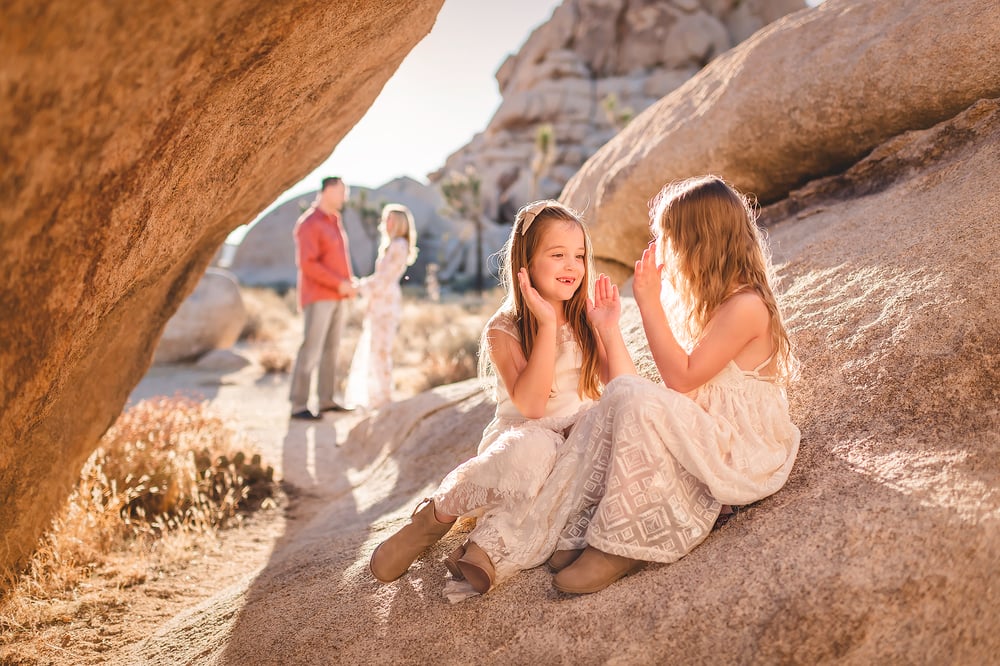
(451, 562)
(594, 570)
(563, 558)
(477, 568)
(395, 555)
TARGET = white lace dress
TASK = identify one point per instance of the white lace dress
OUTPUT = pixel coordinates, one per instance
(654, 465)
(515, 458)
(369, 383)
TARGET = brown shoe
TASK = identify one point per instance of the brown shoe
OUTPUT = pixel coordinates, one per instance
(477, 568)
(451, 562)
(395, 555)
(563, 558)
(594, 570)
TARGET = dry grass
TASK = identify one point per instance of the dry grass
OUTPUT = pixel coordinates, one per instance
(268, 313)
(442, 339)
(165, 477)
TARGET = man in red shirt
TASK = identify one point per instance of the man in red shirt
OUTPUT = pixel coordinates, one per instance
(325, 282)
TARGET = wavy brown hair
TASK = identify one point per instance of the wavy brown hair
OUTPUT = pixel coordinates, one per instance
(529, 225)
(710, 245)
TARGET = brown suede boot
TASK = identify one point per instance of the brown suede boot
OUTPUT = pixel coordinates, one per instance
(451, 562)
(563, 558)
(477, 568)
(395, 555)
(594, 570)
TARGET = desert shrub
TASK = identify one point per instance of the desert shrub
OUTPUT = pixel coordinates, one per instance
(166, 465)
(451, 356)
(445, 336)
(274, 359)
(268, 314)
(170, 462)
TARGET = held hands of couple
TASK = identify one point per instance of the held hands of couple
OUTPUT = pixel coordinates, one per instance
(347, 288)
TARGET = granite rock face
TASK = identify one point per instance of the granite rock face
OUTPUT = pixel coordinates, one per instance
(804, 98)
(134, 136)
(585, 73)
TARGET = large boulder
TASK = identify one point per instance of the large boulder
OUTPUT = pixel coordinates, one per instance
(805, 97)
(882, 547)
(134, 137)
(211, 318)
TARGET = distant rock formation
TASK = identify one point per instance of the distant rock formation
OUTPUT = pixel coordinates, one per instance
(585, 73)
(134, 137)
(266, 255)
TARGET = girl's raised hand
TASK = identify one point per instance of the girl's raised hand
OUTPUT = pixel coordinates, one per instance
(646, 283)
(605, 308)
(541, 308)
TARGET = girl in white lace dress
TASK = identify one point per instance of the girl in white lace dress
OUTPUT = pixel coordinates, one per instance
(550, 348)
(369, 383)
(658, 461)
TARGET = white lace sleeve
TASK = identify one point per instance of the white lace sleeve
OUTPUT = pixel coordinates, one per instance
(388, 269)
(504, 322)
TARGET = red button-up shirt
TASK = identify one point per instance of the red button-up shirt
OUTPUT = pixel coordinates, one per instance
(322, 255)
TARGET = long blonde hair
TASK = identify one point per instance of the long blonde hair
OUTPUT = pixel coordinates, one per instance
(711, 245)
(404, 216)
(529, 225)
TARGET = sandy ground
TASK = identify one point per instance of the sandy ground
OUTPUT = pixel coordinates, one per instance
(127, 600)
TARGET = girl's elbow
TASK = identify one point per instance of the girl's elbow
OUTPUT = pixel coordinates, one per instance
(679, 386)
(532, 413)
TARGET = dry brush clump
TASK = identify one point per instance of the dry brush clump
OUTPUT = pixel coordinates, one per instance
(168, 467)
(268, 314)
(443, 338)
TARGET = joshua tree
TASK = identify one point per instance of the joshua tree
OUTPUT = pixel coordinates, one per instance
(544, 157)
(617, 116)
(463, 196)
(370, 215)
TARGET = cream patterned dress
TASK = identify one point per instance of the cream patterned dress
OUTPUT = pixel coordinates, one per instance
(655, 465)
(501, 485)
(369, 383)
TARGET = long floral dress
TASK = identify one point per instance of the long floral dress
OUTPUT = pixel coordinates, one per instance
(654, 466)
(369, 383)
(502, 484)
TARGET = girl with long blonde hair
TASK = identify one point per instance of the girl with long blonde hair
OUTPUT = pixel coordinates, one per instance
(661, 460)
(548, 349)
(369, 383)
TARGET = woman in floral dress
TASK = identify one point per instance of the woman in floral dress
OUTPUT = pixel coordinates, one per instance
(369, 384)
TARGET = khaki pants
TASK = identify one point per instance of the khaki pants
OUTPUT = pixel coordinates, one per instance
(324, 322)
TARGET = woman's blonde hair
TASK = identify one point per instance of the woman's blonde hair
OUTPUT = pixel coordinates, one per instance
(711, 246)
(402, 214)
(529, 225)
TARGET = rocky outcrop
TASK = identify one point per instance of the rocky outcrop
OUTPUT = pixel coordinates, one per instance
(585, 73)
(211, 318)
(804, 98)
(133, 139)
(882, 547)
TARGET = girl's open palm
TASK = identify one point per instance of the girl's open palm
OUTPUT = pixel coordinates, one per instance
(646, 283)
(539, 307)
(606, 307)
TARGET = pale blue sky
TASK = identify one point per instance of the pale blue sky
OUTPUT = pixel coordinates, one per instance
(444, 92)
